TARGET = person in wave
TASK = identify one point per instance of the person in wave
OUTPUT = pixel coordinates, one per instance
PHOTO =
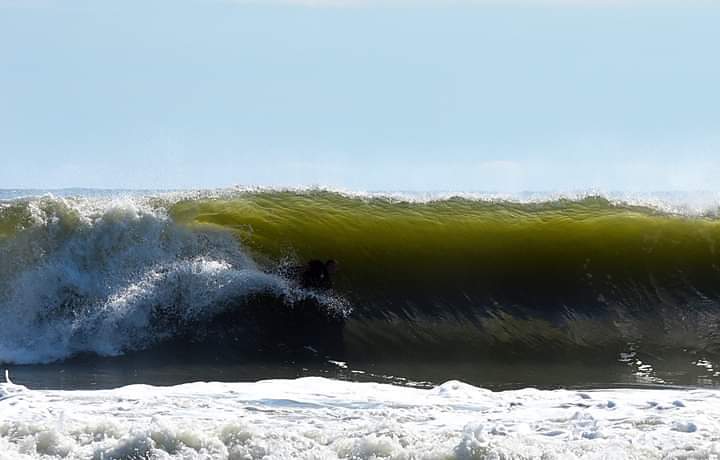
(271, 322)
(318, 274)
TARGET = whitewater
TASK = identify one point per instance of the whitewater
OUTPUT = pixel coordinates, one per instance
(102, 274)
(316, 418)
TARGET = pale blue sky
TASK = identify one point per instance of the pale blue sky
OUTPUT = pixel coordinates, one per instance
(381, 95)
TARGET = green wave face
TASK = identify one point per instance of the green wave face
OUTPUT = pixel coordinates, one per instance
(387, 243)
(566, 271)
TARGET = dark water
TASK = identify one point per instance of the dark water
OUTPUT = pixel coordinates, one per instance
(172, 367)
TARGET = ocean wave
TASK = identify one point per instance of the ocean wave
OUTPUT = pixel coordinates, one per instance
(468, 274)
(108, 276)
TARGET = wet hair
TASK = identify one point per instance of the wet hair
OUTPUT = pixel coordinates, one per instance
(331, 265)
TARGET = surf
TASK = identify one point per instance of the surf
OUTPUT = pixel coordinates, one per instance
(420, 276)
(321, 418)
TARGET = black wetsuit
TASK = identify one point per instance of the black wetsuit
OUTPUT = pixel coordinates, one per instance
(271, 322)
(316, 275)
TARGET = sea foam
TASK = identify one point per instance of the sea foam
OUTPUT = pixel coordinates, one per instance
(317, 418)
(87, 275)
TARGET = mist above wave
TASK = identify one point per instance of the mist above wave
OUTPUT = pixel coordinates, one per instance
(685, 203)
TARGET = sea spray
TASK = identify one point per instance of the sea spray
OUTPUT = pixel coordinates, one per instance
(89, 276)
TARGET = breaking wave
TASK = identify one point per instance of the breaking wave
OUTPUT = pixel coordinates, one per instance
(448, 275)
(111, 275)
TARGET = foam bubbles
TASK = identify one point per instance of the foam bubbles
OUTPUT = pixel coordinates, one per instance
(325, 419)
(87, 275)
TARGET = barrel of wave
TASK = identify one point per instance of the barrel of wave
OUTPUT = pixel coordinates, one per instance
(386, 245)
(487, 272)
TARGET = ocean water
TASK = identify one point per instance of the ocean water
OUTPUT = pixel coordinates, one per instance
(459, 325)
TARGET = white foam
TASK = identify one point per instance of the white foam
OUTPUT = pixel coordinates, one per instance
(86, 275)
(326, 419)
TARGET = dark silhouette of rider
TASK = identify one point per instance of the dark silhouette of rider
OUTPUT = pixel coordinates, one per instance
(318, 274)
